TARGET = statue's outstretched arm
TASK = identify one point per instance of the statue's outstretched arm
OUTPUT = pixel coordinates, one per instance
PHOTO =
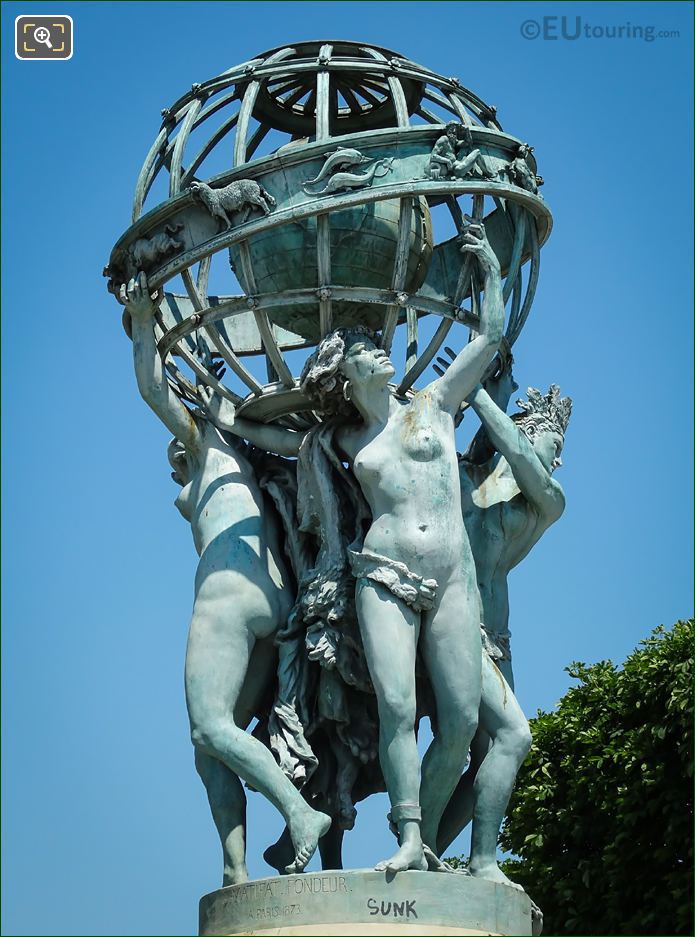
(533, 479)
(149, 369)
(469, 365)
(271, 438)
(500, 386)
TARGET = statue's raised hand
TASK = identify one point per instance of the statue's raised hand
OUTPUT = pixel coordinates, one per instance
(474, 241)
(135, 296)
(500, 385)
(216, 408)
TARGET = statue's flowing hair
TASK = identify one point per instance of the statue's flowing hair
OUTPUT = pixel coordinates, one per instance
(321, 378)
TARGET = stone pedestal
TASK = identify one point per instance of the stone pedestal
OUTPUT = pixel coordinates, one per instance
(366, 902)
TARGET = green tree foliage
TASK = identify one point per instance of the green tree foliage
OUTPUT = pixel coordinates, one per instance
(601, 817)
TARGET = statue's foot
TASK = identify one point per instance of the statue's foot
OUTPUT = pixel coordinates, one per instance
(234, 874)
(306, 833)
(279, 854)
(409, 856)
(491, 872)
(435, 864)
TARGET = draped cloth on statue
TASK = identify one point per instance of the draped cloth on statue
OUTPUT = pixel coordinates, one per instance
(324, 699)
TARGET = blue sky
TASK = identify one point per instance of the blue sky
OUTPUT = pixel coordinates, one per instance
(106, 826)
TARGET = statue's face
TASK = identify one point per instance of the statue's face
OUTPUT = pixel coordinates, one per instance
(364, 363)
(547, 445)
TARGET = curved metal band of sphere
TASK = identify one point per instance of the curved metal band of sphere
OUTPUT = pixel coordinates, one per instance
(349, 294)
(310, 209)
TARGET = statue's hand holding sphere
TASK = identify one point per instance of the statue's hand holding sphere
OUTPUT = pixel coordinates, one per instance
(135, 296)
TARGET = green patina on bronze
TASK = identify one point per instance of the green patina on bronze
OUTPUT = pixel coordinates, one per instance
(352, 574)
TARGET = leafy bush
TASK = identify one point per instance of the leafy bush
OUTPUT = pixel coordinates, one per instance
(601, 818)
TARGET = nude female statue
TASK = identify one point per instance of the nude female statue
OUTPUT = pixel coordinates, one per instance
(242, 597)
(509, 500)
(415, 573)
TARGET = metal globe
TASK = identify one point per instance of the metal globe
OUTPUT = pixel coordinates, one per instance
(329, 156)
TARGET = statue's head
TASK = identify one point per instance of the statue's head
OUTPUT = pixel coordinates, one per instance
(452, 129)
(543, 420)
(343, 360)
(176, 454)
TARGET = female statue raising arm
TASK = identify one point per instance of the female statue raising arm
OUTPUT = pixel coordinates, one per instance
(242, 597)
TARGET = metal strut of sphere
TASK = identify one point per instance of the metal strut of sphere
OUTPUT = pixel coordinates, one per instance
(321, 95)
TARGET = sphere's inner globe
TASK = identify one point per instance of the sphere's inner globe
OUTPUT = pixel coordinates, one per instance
(363, 243)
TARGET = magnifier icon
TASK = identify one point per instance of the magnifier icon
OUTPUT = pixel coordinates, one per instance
(41, 34)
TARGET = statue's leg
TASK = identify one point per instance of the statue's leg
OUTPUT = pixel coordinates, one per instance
(459, 811)
(224, 790)
(348, 768)
(217, 661)
(228, 807)
(331, 848)
(452, 652)
(462, 166)
(223, 216)
(390, 634)
(503, 719)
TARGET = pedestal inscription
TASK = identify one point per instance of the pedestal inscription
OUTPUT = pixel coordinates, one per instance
(366, 902)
